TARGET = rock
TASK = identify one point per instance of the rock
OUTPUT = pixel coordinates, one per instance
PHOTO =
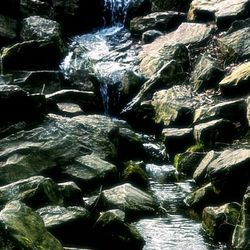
(126, 145)
(36, 8)
(203, 197)
(177, 140)
(155, 152)
(67, 109)
(206, 74)
(214, 132)
(248, 110)
(35, 191)
(133, 201)
(187, 162)
(90, 171)
(192, 35)
(71, 225)
(173, 107)
(152, 63)
(16, 105)
(39, 28)
(135, 174)
(8, 29)
(223, 12)
(237, 83)
(161, 5)
(22, 228)
(200, 173)
(87, 100)
(43, 81)
(235, 45)
(234, 111)
(113, 233)
(150, 35)
(71, 193)
(137, 8)
(219, 222)
(229, 173)
(161, 21)
(32, 55)
(53, 144)
(241, 233)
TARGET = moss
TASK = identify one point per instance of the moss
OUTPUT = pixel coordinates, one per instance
(199, 147)
(176, 160)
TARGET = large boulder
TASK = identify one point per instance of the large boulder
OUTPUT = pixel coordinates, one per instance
(22, 228)
(237, 83)
(219, 222)
(35, 191)
(223, 12)
(229, 173)
(241, 233)
(8, 29)
(133, 201)
(71, 225)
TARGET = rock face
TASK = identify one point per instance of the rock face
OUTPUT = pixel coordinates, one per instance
(241, 233)
(22, 228)
(223, 12)
(237, 82)
(8, 29)
(129, 199)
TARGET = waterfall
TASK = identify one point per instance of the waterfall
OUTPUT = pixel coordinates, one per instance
(117, 9)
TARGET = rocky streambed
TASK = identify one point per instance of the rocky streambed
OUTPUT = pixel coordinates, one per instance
(124, 124)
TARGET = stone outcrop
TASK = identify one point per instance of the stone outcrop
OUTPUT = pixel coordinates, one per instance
(8, 29)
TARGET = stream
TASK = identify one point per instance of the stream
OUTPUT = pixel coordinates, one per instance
(108, 53)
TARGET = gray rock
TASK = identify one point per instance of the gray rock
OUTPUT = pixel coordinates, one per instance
(224, 12)
(150, 35)
(214, 132)
(237, 83)
(8, 29)
(219, 222)
(161, 21)
(133, 201)
(90, 170)
(35, 191)
(22, 228)
(163, 5)
(71, 225)
(241, 233)
(206, 74)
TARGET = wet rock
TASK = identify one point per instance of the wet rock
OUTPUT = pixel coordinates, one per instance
(219, 222)
(36, 191)
(53, 144)
(90, 171)
(177, 139)
(187, 162)
(173, 106)
(137, 8)
(234, 111)
(32, 55)
(87, 100)
(22, 228)
(235, 45)
(71, 225)
(8, 29)
(161, 21)
(113, 233)
(45, 81)
(152, 63)
(200, 173)
(71, 193)
(206, 74)
(127, 145)
(36, 8)
(237, 83)
(155, 152)
(213, 132)
(135, 174)
(241, 233)
(67, 109)
(161, 5)
(223, 12)
(229, 173)
(150, 35)
(39, 28)
(133, 201)
(16, 105)
(203, 197)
